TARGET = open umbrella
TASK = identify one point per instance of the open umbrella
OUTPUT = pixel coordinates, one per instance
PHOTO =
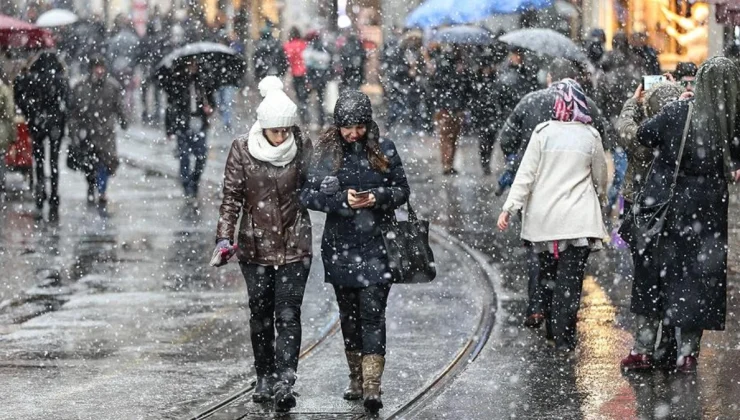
(450, 12)
(544, 41)
(15, 33)
(56, 17)
(222, 65)
(466, 35)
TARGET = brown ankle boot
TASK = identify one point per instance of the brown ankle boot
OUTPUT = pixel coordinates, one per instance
(372, 371)
(354, 389)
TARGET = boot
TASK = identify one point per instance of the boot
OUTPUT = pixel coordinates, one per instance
(263, 389)
(372, 371)
(354, 389)
(284, 397)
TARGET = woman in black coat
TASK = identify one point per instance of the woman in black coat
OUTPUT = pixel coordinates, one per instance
(358, 180)
(691, 251)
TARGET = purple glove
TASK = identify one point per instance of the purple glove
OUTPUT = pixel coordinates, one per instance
(222, 253)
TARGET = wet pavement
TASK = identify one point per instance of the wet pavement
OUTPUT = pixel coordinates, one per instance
(118, 311)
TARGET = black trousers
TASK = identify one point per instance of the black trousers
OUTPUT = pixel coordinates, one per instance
(559, 294)
(38, 134)
(301, 94)
(485, 146)
(362, 316)
(275, 298)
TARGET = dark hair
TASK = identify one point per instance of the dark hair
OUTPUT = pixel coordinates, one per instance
(561, 68)
(294, 33)
(684, 69)
(331, 144)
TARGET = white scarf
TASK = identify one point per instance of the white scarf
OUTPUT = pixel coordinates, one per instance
(261, 149)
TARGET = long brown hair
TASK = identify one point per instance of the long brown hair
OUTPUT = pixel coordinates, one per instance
(331, 141)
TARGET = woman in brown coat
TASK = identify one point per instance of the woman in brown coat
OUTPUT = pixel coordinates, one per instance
(264, 174)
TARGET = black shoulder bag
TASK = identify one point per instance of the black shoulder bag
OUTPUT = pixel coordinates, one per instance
(649, 221)
(409, 255)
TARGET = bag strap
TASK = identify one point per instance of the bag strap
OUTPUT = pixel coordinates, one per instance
(412, 213)
(683, 144)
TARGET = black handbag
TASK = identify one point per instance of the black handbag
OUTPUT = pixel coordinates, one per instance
(410, 257)
(648, 221)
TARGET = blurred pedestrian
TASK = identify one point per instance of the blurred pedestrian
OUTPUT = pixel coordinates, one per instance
(595, 46)
(41, 94)
(560, 188)
(263, 177)
(352, 57)
(318, 70)
(7, 124)
(269, 56)
(152, 48)
(449, 90)
(359, 181)
(227, 93)
(189, 106)
(648, 54)
(692, 242)
(96, 104)
(294, 49)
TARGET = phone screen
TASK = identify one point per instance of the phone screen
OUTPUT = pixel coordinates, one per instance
(362, 193)
(649, 81)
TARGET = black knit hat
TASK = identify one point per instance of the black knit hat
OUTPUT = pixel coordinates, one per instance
(97, 60)
(352, 108)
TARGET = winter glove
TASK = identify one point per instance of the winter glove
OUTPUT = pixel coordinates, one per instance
(222, 253)
(330, 185)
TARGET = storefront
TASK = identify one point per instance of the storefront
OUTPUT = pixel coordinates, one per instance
(680, 30)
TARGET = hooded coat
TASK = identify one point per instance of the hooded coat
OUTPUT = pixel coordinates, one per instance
(352, 247)
(95, 109)
(691, 254)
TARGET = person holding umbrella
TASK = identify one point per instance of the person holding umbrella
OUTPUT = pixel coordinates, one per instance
(263, 177)
(189, 104)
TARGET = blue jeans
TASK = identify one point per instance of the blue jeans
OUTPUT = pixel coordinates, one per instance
(620, 170)
(102, 178)
(226, 104)
(193, 144)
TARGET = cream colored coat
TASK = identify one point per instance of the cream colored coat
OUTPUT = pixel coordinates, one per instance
(561, 184)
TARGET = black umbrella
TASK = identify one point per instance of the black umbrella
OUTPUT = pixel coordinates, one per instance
(545, 41)
(222, 65)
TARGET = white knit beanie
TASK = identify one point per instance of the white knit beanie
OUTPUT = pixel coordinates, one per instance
(276, 110)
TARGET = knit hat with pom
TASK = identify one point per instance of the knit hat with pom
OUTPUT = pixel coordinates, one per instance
(276, 110)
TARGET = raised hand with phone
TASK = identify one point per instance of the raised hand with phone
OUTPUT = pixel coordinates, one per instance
(360, 199)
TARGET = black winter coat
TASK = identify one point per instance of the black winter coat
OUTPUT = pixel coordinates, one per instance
(352, 248)
(690, 259)
(536, 108)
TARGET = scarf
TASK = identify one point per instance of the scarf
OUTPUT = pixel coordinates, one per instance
(261, 149)
(570, 103)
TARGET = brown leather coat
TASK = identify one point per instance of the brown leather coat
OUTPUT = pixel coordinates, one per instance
(275, 229)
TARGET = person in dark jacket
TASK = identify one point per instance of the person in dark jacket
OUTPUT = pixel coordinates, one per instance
(691, 253)
(352, 57)
(318, 70)
(449, 83)
(95, 106)
(263, 177)
(152, 48)
(647, 54)
(534, 109)
(189, 104)
(41, 94)
(358, 179)
(269, 56)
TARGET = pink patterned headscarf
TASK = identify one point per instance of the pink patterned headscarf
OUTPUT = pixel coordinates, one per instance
(570, 104)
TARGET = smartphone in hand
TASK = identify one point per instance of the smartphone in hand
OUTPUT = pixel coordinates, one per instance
(362, 194)
(649, 81)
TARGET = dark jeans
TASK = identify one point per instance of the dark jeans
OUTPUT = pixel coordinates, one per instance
(320, 88)
(97, 175)
(190, 144)
(559, 294)
(362, 316)
(275, 298)
(301, 94)
(485, 147)
(38, 134)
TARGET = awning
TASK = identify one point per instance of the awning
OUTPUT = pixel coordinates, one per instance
(454, 12)
(727, 12)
